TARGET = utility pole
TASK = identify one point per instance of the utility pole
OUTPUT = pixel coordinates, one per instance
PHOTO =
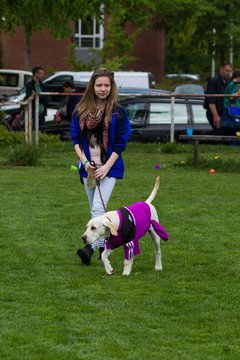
(213, 52)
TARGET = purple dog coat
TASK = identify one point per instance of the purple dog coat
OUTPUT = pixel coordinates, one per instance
(141, 214)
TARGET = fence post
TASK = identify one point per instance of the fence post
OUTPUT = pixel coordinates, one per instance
(30, 123)
(26, 120)
(36, 119)
(172, 119)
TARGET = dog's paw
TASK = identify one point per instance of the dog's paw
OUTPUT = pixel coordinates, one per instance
(109, 271)
(126, 273)
(158, 268)
(108, 268)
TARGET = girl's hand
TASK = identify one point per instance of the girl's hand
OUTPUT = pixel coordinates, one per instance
(90, 169)
(101, 172)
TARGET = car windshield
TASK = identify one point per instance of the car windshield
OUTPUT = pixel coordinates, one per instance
(19, 95)
(189, 89)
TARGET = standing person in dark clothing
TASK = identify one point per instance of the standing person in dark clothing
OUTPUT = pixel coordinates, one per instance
(217, 85)
(36, 86)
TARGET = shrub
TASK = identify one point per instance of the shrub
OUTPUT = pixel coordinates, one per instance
(21, 155)
(48, 138)
(10, 137)
(17, 137)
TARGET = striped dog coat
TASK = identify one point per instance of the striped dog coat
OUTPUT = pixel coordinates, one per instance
(134, 221)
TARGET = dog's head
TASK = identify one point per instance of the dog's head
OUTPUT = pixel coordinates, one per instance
(98, 228)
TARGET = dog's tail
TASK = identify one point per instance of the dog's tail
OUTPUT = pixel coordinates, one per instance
(153, 193)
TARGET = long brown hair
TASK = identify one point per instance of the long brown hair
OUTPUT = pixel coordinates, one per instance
(87, 103)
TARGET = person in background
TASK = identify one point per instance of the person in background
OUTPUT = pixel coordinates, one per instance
(233, 88)
(217, 85)
(69, 103)
(100, 130)
(36, 86)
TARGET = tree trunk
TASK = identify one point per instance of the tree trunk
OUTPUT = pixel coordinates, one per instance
(27, 48)
(1, 51)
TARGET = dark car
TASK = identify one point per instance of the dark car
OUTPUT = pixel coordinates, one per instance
(150, 117)
(56, 85)
(140, 91)
(149, 111)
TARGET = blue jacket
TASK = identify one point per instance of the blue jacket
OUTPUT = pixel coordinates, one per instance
(118, 134)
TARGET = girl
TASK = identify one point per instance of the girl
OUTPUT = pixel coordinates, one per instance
(100, 130)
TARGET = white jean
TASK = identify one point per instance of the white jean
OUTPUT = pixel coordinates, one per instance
(96, 207)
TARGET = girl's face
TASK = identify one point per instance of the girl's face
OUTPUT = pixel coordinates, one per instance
(102, 88)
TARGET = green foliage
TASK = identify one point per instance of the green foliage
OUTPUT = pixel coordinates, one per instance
(48, 138)
(189, 42)
(117, 43)
(2, 115)
(20, 155)
(60, 15)
(10, 137)
(16, 137)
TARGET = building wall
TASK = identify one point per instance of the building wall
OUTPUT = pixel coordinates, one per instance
(149, 52)
(45, 51)
(51, 54)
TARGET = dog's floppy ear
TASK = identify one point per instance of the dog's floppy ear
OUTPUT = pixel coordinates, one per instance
(111, 227)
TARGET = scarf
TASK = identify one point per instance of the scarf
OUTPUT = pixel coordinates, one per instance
(93, 119)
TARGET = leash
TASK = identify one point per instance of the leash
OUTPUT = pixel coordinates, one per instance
(92, 163)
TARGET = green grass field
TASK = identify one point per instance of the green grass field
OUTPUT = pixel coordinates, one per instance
(54, 308)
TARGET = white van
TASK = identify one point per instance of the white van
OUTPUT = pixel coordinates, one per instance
(126, 79)
(11, 81)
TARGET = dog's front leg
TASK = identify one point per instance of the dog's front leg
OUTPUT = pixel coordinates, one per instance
(106, 262)
(127, 267)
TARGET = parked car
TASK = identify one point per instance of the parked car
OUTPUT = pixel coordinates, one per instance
(135, 79)
(56, 85)
(189, 89)
(150, 117)
(184, 76)
(11, 81)
(140, 91)
(55, 100)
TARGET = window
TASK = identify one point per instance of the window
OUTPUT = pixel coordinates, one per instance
(27, 78)
(10, 80)
(199, 114)
(136, 112)
(89, 33)
(59, 80)
(160, 113)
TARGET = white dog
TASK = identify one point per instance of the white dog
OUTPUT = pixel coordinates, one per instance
(125, 227)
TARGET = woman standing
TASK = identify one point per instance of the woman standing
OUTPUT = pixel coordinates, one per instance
(100, 130)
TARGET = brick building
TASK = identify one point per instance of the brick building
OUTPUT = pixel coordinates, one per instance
(52, 54)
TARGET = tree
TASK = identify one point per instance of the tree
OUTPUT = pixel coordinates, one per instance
(191, 41)
(188, 25)
(39, 15)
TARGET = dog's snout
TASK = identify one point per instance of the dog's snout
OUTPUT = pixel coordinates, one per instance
(84, 238)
